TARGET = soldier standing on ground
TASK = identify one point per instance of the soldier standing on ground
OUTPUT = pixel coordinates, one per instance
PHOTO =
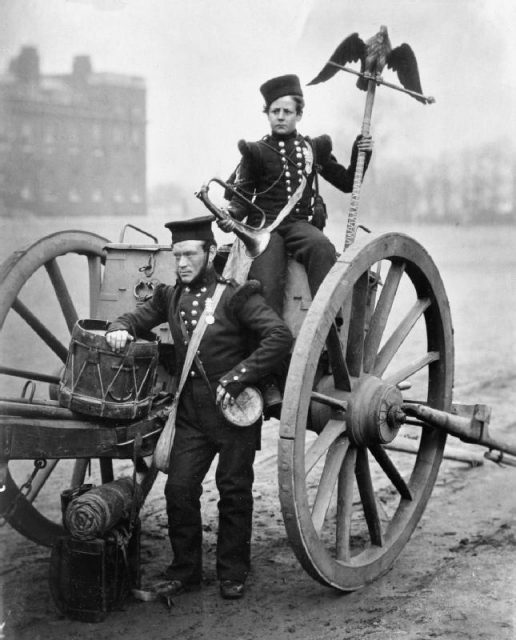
(226, 363)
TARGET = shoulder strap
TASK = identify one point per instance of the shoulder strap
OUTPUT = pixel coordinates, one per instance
(197, 360)
(196, 338)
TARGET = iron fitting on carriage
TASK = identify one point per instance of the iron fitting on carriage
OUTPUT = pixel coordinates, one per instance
(374, 414)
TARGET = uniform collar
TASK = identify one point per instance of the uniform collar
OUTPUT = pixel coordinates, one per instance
(205, 280)
(280, 136)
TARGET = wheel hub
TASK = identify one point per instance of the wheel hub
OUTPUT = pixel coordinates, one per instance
(374, 414)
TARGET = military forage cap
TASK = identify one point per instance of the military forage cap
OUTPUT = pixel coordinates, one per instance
(192, 229)
(275, 88)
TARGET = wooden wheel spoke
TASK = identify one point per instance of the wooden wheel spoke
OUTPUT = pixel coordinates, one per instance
(345, 318)
(327, 400)
(62, 293)
(328, 481)
(381, 314)
(95, 275)
(345, 504)
(355, 346)
(40, 479)
(412, 368)
(399, 335)
(390, 471)
(36, 325)
(338, 364)
(367, 496)
(332, 430)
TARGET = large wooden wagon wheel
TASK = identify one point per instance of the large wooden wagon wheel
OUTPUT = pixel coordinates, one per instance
(44, 289)
(379, 324)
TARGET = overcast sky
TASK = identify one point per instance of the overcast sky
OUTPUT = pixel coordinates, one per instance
(203, 62)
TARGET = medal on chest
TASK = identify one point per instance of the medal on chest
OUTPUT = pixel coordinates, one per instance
(208, 308)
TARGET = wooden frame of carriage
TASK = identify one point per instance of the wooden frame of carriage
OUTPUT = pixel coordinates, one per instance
(372, 364)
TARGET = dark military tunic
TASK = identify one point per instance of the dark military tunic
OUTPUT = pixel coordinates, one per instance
(226, 350)
(246, 342)
(270, 172)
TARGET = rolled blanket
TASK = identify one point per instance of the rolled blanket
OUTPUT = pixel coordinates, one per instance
(95, 512)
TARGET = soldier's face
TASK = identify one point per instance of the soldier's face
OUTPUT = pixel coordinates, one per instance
(191, 259)
(282, 115)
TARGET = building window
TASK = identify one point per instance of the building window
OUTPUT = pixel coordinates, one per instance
(50, 135)
(26, 131)
(5, 147)
(96, 133)
(73, 135)
(49, 139)
(96, 195)
(135, 137)
(74, 195)
(136, 197)
(73, 141)
(118, 196)
(118, 136)
(26, 138)
(26, 192)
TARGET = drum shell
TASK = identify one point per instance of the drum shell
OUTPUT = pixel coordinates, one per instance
(99, 382)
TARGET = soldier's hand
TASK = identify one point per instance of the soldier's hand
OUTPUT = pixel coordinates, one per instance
(227, 224)
(118, 339)
(365, 143)
(223, 397)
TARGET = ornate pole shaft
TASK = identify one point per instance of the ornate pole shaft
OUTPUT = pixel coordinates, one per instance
(351, 227)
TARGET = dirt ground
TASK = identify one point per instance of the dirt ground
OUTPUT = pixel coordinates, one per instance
(456, 578)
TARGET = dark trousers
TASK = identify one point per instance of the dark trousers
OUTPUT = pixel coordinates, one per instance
(307, 244)
(201, 433)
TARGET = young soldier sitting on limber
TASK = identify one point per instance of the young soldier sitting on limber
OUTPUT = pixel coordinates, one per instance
(279, 172)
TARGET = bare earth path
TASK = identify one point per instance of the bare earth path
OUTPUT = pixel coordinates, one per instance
(455, 579)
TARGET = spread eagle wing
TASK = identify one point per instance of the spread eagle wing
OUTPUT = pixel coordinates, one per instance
(403, 61)
(351, 49)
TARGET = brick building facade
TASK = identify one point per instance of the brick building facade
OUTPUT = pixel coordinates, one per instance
(71, 144)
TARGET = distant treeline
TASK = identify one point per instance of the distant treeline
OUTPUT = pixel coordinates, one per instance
(470, 186)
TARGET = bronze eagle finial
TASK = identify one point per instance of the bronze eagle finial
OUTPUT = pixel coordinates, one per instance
(374, 55)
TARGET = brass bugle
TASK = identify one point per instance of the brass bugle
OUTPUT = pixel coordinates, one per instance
(255, 239)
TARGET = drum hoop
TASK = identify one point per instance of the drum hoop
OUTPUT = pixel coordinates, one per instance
(94, 378)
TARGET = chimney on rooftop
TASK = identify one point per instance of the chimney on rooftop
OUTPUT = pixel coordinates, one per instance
(26, 65)
(81, 68)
